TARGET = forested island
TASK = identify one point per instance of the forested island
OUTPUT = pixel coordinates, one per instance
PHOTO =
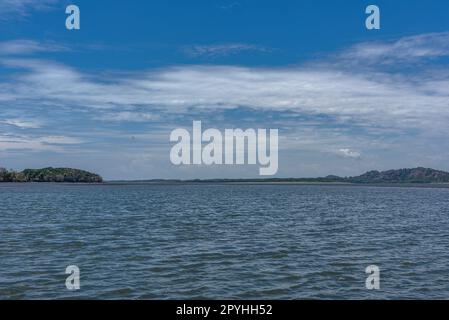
(68, 175)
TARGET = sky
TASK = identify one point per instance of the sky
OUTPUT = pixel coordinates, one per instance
(105, 98)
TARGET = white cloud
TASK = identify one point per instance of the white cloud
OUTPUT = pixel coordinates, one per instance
(60, 140)
(230, 6)
(380, 100)
(22, 124)
(24, 46)
(430, 45)
(220, 50)
(48, 143)
(128, 116)
(348, 153)
(20, 8)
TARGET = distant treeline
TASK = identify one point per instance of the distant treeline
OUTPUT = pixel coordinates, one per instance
(401, 176)
(415, 175)
(50, 175)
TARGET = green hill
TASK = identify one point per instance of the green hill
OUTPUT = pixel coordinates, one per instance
(415, 175)
(50, 175)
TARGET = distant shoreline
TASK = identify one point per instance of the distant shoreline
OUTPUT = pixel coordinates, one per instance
(237, 183)
(415, 177)
(279, 183)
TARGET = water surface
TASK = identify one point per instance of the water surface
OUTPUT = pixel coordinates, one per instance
(223, 241)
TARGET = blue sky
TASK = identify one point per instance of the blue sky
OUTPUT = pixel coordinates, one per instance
(105, 98)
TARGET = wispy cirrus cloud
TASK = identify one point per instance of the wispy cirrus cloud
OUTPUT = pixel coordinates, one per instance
(22, 123)
(36, 143)
(128, 116)
(363, 99)
(222, 50)
(28, 47)
(348, 153)
(12, 9)
(230, 5)
(406, 49)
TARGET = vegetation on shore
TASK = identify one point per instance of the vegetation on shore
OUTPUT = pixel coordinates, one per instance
(416, 175)
(50, 175)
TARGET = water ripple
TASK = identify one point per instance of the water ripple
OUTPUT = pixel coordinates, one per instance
(223, 241)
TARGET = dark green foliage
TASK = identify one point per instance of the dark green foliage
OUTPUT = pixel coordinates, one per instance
(50, 175)
(415, 175)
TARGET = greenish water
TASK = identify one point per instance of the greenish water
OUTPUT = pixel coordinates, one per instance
(223, 241)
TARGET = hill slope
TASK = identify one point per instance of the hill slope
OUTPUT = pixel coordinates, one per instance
(50, 175)
(415, 175)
